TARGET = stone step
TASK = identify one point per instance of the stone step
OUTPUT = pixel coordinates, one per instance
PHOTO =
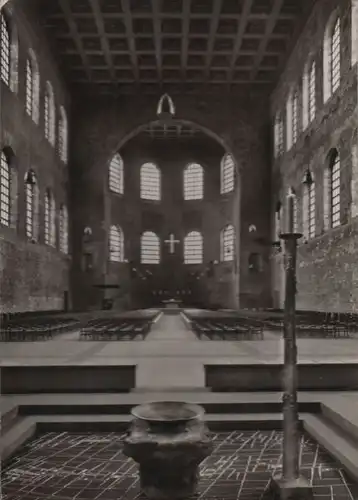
(147, 390)
(336, 442)
(16, 436)
(344, 415)
(8, 415)
(26, 427)
(66, 406)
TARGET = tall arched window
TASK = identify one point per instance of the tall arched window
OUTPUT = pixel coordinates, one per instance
(150, 248)
(335, 188)
(116, 244)
(49, 114)
(150, 185)
(295, 209)
(309, 206)
(335, 56)
(309, 93)
(50, 218)
(227, 174)
(32, 87)
(227, 243)
(277, 229)
(332, 56)
(32, 203)
(116, 174)
(295, 116)
(5, 190)
(5, 49)
(312, 92)
(193, 182)
(278, 135)
(193, 248)
(63, 135)
(63, 229)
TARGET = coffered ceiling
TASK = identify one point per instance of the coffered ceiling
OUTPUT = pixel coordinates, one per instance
(186, 46)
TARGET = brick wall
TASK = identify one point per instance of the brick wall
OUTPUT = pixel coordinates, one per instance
(33, 276)
(326, 278)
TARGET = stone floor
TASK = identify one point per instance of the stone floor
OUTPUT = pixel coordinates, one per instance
(171, 352)
(91, 467)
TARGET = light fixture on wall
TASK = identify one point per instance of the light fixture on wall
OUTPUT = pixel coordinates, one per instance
(30, 178)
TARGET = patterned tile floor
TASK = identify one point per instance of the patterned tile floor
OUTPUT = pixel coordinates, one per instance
(63, 466)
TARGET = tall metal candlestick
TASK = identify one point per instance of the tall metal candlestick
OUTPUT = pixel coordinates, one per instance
(290, 484)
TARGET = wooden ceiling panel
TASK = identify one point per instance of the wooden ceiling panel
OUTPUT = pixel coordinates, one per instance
(172, 44)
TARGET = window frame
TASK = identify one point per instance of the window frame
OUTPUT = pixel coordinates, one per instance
(148, 179)
(193, 182)
(193, 248)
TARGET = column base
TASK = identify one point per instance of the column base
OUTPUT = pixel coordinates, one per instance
(297, 489)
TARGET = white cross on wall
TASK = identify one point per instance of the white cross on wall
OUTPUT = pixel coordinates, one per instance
(171, 242)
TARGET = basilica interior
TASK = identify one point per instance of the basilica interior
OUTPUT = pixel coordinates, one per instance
(179, 222)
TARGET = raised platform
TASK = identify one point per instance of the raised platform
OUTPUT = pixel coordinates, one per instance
(83, 435)
(268, 377)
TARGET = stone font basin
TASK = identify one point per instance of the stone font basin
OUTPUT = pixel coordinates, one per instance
(168, 440)
(168, 411)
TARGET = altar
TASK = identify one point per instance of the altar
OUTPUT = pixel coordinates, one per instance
(172, 306)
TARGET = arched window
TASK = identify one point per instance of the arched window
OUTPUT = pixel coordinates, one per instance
(193, 248)
(312, 92)
(63, 229)
(5, 190)
(227, 243)
(335, 188)
(309, 93)
(63, 135)
(32, 202)
(193, 182)
(116, 174)
(5, 49)
(295, 209)
(295, 116)
(332, 56)
(50, 218)
(150, 248)
(309, 206)
(278, 135)
(32, 87)
(116, 244)
(49, 114)
(277, 222)
(227, 171)
(150, 182)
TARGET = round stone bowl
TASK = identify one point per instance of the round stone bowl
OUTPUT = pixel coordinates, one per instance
(169, 440)
(167, 412)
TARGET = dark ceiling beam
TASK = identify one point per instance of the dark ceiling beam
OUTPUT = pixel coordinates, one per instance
(193, 15)
(239, 37)
(157, 26)
(103, 38)
(264, 41)
(198, 67)
(64, 5)
(185, 37)
(177, 83)
(215, 18)
(128, 23)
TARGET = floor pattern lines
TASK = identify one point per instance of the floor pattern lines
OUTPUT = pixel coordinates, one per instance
(84, 466)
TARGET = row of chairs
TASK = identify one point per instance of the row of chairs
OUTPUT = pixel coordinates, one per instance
(321, 324)
(227, 329)
(21, 330)
(115, 329)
